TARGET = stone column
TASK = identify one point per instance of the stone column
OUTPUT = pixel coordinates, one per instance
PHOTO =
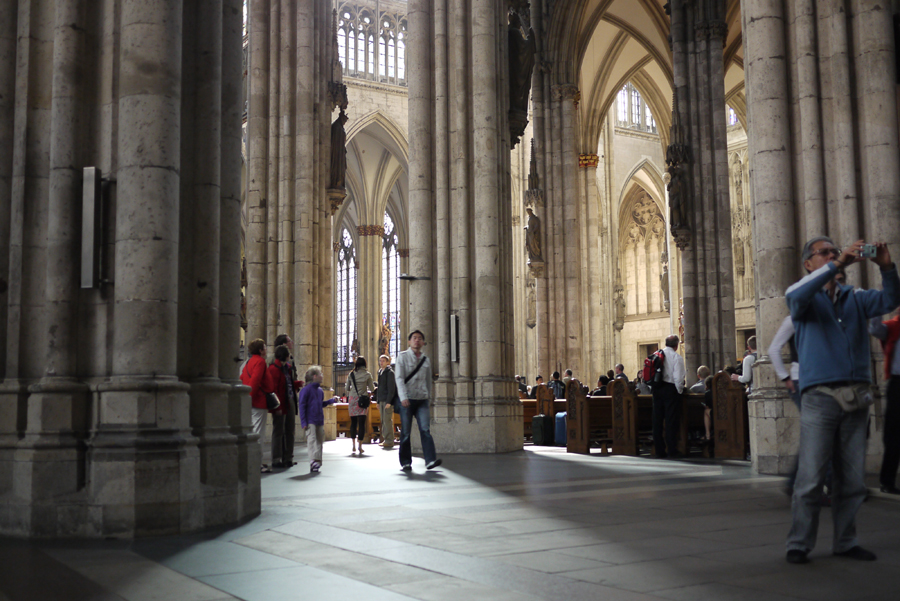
(257, 167)
(7, 114)
(570, 217)
(698, 163)
(421, 200)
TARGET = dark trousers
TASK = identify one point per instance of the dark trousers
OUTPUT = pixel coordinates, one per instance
(666, 410)
(891, 460)
(357, 421)
(283, 430)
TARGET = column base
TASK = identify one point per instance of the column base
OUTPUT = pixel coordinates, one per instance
(774, 431)
(490, 423)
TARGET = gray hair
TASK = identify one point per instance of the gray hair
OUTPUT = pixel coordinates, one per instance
(314, 370)
(807, 248)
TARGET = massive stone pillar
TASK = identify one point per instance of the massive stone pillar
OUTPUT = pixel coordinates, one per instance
(820, 91)
(115, 421)
(463, 50)
(699, 199)
(295, 85)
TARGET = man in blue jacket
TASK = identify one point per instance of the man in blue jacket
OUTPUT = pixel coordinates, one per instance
(833, 348)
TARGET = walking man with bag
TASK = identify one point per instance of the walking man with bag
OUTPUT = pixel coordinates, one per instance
(414, 387)
(835, 383)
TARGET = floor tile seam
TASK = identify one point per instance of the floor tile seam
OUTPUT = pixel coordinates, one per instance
(602, 493)
(314, 569)
(382, 554)
(511, 487)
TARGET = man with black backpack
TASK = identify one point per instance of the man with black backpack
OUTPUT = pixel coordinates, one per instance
(667, 401)
(414, 388)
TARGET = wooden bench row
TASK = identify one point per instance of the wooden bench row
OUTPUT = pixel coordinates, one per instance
(621, 422)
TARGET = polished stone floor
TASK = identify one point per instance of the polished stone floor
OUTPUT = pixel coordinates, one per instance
(535, 524)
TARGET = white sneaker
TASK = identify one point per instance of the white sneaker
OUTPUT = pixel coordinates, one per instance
(434, 464)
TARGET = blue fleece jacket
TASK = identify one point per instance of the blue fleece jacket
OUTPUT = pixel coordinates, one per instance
(832, 338)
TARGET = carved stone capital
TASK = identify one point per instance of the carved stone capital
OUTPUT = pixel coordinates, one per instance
(588, 160)
(568, 91)
(403, 252)
(370, 230)
(536, 269)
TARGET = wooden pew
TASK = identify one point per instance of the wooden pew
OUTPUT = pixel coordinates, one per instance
(374, 416)
(588, 421)
(628, 411)
(731, 425)
(633, 419)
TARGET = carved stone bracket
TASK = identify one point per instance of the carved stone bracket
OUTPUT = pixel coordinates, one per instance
(536, 269)
(534, 198)
(337, 95)
(336, 197)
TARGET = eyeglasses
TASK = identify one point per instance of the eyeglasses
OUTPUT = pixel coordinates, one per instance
(834, 252)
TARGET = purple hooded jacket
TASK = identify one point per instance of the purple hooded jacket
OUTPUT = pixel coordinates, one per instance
(311, 404)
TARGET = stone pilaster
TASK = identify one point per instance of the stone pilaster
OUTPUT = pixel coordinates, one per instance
(294, 89)
(802, 58)
(474, 409)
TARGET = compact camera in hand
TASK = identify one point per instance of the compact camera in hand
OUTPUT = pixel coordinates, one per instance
(869, 251)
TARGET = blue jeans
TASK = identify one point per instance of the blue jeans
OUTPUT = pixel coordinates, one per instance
(419, 409)
(828, 434)
(795, 396)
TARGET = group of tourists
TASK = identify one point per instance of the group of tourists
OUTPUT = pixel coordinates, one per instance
(275, 390)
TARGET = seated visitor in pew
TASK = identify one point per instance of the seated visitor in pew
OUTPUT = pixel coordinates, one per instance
(700, 386)
(707, 404)
(640, 386)
(601, 387)
(532, 392)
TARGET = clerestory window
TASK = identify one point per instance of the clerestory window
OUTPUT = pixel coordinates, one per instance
(633, 112)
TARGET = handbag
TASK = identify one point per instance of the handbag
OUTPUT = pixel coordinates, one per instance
(364, 400)
(272, 401)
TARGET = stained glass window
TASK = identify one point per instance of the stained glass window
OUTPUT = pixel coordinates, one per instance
(390, 283)
(346, 297)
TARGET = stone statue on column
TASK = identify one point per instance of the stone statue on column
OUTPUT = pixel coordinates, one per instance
(533, 238)
(521, 66)
(385, 340)
(664, 280)
(338, 152)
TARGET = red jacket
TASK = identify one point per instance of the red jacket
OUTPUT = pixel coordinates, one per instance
(276, 379)
(890, 344)
(256, 377)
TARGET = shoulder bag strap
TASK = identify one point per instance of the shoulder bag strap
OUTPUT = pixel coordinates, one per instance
(416, 370)
(353, 379)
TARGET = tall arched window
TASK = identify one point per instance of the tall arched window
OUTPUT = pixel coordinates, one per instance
(632, 111)
(346, 297)
(390, 283)
(371, 41)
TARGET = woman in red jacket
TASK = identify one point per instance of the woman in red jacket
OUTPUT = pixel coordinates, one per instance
(255, 376)
(284, 422)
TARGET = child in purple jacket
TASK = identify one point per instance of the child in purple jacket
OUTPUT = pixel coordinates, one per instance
(312, 418)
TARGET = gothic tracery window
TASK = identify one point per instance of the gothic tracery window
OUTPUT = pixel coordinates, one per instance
(346, 297)
(371, 40)
(390, 283)
(633, 112)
